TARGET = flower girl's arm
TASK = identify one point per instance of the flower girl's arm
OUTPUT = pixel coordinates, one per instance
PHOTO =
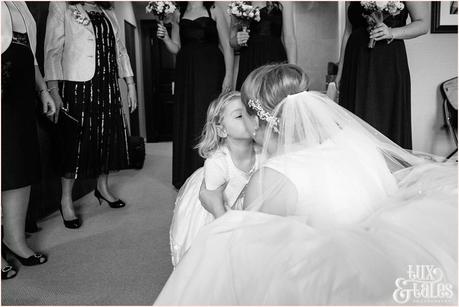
(212, 200)
(214, 183)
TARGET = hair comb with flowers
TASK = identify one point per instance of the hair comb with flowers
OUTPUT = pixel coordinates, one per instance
(272, 120)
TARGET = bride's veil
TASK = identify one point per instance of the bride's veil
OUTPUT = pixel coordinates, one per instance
(308, 119)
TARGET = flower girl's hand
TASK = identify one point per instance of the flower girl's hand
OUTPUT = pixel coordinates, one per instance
(162, 32)
(242, 38)
(380, 32)
(212, 200)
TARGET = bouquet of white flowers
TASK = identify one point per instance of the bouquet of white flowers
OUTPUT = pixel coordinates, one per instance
(377, 11)
(244, 13)
(161, 8)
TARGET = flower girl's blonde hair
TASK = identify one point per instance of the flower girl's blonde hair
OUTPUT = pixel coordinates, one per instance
(210, 140)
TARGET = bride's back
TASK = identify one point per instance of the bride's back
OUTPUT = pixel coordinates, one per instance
(341, 181)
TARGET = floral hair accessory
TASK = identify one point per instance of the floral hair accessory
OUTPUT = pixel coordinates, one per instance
(272, 120)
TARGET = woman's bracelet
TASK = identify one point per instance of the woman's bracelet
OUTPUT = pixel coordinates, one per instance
(42, 90)
(53, 88)
(391, 34)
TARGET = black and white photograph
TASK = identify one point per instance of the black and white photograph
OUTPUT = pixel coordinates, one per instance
(444, 16)
(237, 153)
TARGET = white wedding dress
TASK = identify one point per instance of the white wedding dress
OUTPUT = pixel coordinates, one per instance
(354, 235)
(189, 214)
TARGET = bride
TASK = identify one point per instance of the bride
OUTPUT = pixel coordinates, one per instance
(337, 215)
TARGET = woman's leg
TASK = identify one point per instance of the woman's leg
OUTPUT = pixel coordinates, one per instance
(102, 186)
(14, 211)
(66, 199)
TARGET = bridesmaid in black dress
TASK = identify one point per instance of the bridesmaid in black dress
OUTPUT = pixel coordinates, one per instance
(271, 40)
(202, 73)
(374, 82)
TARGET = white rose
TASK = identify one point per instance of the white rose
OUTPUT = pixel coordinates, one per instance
(381, 4)
(368, 5)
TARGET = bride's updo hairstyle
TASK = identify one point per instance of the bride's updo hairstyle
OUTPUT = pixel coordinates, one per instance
(270, 84)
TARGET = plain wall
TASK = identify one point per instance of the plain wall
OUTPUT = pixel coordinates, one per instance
(317, 34)
(432, 59)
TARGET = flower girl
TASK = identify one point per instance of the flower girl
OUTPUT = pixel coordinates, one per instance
(231, 158)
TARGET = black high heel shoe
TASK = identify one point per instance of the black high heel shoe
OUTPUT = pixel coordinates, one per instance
(113, 204)
(35, 259)
(72, 224)
(6, 270)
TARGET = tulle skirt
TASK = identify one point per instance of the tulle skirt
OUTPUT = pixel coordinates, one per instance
(253, 258)
(189, 216)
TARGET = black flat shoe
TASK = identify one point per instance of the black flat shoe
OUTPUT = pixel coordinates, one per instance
(6, 270)
(113, 204)
(72, 224)
(35, 259)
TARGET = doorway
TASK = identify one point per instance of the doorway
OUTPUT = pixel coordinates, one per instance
(159, 82)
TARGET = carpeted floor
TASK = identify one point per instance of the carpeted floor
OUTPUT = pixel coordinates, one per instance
(118, 256)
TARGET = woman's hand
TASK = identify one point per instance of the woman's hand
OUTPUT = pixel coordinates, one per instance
(380, 32)
(54, 93)
(227, 84)
(162, 33)
(132, 96)
(242, 37)
(212, 201)
(49, 108)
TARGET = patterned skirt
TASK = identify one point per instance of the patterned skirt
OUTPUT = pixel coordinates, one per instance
(101, 145)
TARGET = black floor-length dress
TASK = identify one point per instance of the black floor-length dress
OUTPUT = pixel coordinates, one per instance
(200, 70)
(264, 45)
(375, 83)
(20, 147)
(102, 144)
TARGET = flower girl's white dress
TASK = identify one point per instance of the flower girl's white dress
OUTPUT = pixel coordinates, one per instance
(189, 214)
